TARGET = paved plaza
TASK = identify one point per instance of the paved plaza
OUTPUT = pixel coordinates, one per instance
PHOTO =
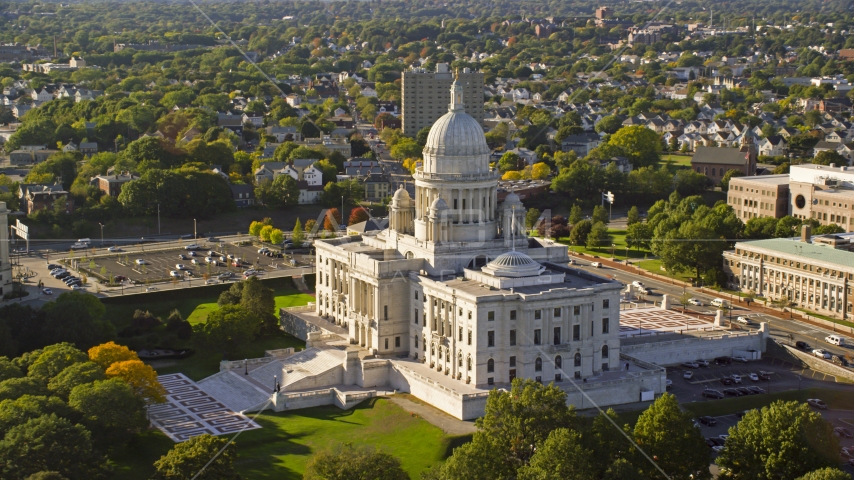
(189, 411)
(652, 321)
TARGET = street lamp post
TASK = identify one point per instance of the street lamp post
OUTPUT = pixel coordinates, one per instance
(613, 245)
(195, 235)
(102, 233)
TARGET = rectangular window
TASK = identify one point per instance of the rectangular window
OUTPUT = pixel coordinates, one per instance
(490, 316)
(557, 336)
(576, 310)
(490, 338)
(604, 367)
(591, 328)
(386, 344)
(513, 362)
(512, 314)
(606, 303)
(576, 332)
(415, 320)
(512, 338)
(606, 325)
(490, 381)
(461, 334)
(396, 342)
(385, 312)
(557, 313)
(537, 339)
(469, 337)
(538, 314)
(490, 367)
(557, 377)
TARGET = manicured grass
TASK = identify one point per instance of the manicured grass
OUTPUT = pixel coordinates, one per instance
(677, 159)
(284, 298)
(287, 441)
(725, 406)
(201, 312)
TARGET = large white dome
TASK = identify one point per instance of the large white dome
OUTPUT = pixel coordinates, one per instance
(456, 134)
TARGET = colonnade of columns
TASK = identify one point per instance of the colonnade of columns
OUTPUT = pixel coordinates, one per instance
(467, 205)
(440, 342)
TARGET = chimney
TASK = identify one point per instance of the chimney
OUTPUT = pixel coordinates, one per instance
(806, 233)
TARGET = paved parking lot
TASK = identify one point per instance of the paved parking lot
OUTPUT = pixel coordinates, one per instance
(786, 376)
(157, 263)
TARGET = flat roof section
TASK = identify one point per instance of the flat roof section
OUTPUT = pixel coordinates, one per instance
(648, 322)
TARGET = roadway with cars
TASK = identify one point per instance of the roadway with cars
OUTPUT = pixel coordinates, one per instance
(785, 330)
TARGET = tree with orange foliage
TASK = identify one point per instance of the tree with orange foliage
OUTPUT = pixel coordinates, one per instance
(141, 377)
(327, 221)
(358, 215)
(109, 353)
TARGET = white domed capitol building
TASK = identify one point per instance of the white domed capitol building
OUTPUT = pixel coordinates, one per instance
(452, 300)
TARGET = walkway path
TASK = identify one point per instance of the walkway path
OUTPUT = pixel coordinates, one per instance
(447, 423)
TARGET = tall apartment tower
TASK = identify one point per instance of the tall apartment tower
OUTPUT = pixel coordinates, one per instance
(426, 96)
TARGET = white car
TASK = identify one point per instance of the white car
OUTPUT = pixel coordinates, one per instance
(739, 358)
(77, 287)
(814, 402)
(175, 274)
(114, 249)
(140, 261)
(695, 301)
(211, 281)
(743, 320)
(180, 266)
(637, 283)
(818, 352)
(723, 437)
(194, 261)
(192, 246)
(688, 375)
(753, 377)
(150, 289)
(209, 259)
(263, 250)
(47, 291)
(596, 265)
(718, 448)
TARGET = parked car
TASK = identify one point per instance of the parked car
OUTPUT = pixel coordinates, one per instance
(718, 448)
(688, 375)
(802, 345)
(745, 391)
(691, 365)
(668, 384)
(710, 421)
(47, 291)
(151, 289)
(765, 376)
(262, 250)
(180, 266)
(753, 377)
(194, 261)
(211, 281)
(820, 353)
(638, 283)
(120, 278)
(225, 276)
(726, 380)
(740, 358)
(723, 361)
(78, 287)
(756, 390)
(175, 274)
(711, 443)
(62, 275)
(723, 437)
(816, 403)
(732, 392)
(839, 360)
(695, 301)
(192, 254)
(743, 320)
(702, 363)
(596, 265)
(710, 393)
(140, 261)
(842, 432)
(53, 266)
(209, 259)
(736, 378)
(182, 257)
(192, 246)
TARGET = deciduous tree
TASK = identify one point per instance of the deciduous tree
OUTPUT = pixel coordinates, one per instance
(109, 353)
(141, 378)
(639, 143)
(109, 409)
(782, 440)
(228, 329)
(348, 462)
(186, 459)
(74, 375)
(561, 457)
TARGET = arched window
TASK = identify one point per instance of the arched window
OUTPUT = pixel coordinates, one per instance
(604, 351)
(577, 359)
(468, 363)
(713, 171)
(432, 350)
(460, 358)
(490, 366)
(538, 365)
(558, 362)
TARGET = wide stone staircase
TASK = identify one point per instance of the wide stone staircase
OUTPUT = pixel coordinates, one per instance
(248, 393)
(235, 392)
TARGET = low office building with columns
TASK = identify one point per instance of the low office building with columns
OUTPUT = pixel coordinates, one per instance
(813, 272)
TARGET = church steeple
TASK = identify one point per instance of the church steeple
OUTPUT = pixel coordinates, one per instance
(456, 94)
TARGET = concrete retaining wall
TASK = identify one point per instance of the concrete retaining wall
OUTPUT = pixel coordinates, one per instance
(689, 348)
(819, 364)
(295, 325)
(330, 396)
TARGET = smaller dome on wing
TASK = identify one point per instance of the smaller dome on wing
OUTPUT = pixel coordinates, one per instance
(401, 198)
(512, 199)
(438, 204)
(513, 264)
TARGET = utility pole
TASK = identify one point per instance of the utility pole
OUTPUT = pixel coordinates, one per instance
(158, 219)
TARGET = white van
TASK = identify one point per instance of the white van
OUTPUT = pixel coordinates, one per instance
(835, 340)
(718, 302)
(84, 240)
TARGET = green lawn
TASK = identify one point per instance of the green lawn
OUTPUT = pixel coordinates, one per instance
(287, 441)
(676, 159)
(833, 398)
(284, 298)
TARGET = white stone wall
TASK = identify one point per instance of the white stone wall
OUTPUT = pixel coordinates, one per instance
(334, 376)
(690, 348)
